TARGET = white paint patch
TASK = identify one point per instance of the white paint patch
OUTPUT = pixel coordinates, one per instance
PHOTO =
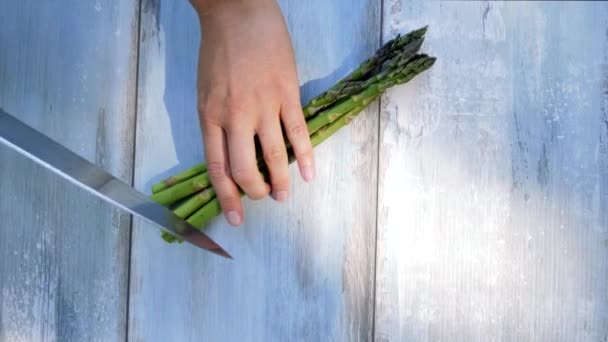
(490, 180)
(156, 137)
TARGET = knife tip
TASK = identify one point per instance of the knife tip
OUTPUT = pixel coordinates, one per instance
(224, 254)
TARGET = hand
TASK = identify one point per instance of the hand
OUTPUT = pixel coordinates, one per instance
(247, 86)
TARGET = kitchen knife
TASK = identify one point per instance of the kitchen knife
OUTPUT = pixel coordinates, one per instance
(87, 175)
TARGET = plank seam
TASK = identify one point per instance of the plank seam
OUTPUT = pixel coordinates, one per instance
(133, 155)
(378, 134)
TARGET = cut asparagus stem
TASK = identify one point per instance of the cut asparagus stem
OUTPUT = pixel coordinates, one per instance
(180, 177)
(170, 238)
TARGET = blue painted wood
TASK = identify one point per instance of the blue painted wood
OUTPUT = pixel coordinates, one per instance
(67, 68)
(493, 205)
(302, 271)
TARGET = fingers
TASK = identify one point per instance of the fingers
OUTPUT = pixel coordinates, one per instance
(218, 168)
(243, 163)
(275, 156)
(297, 133)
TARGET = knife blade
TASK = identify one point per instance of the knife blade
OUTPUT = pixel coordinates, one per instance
(53, 156)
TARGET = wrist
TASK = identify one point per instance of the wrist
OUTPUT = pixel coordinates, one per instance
(219, 17)
(213, 8)
(204, 7)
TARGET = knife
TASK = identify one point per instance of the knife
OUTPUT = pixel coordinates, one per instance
(88, 176)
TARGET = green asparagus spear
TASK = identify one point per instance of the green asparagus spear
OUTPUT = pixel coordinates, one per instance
(194, 203)
(180, 177)
(182, 190)
(410, 42)
(363, 98)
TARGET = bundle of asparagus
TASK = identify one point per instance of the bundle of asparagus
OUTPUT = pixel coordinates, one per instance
(190, 193)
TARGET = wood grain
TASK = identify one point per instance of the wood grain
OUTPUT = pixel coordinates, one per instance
(493, 199)
(68, 69)
(302, 271)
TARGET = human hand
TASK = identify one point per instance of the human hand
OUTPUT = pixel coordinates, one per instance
(247, 86)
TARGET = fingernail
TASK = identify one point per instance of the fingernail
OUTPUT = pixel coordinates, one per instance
(233, 218)
(280, 196)
(308, 173)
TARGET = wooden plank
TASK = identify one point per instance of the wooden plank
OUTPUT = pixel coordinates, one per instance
(493, 201)
(68, 69)
(302, 271)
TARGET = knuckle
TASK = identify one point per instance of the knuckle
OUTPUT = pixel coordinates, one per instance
(208, 120)
(204, 108)
(274, 153)
(227, 199)
(244, 176)
(201, 108)
(291, 93)
(297, 130)
(288, 80)
(216, 170)
(234, 125)
(233, 106)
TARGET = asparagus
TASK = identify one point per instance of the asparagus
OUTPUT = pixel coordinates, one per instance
(395, 63)
(384, 59)
(205, 214)
(194, 203)
(180, 177)
(190, 186)
(415, 67)
(200, 209)
(182, 190)
(213, 209)
(411, 41)
(418, 64)
(200, 182)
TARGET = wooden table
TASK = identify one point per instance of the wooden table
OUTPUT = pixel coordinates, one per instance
(468, 205)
